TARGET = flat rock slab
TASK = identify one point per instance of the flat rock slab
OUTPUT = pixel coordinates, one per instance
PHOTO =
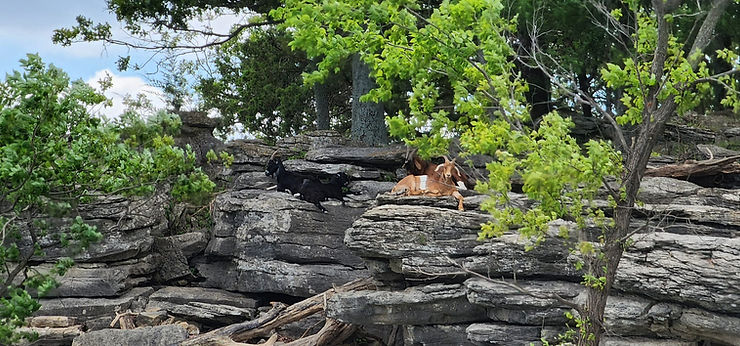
(385, 157)
(86, 309)
(151, 336)
(504, 334)
(419, 305)
(272, 276)
(210, 306)
(255, 225)
(436, 335)
(326, 169)
(696, 270)
(103, 280)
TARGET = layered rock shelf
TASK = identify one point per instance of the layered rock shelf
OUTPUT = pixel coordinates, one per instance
(678, 284)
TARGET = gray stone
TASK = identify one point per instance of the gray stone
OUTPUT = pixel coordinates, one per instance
(253, 180)
(624, 341)
(698, 270)
(327, 169)
(703, 325)
(418, 305)
(103, 280)
(276, 225)
(507, 304)
(152, 336)
(185, 295)
(369, 189)
(151, 318)
(211, 307)
(384, 157)
(191, 243)
(732, 132)
(174, 264)
(249, 155)
(271, 276)
(711, 151)
(436, 335)
(471, 201)
(311, 140)
(664, 190)
(503, 334)
(86, 309)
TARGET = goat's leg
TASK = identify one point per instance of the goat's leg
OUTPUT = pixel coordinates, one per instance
(459, 197)
(318, 204)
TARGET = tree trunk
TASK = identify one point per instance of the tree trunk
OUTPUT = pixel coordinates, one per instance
(322, 106)
(368, 118)
(584, 84)
(540, 86)
(321, 101)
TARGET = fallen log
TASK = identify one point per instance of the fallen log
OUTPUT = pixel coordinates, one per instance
(696, 169)
(280, 315)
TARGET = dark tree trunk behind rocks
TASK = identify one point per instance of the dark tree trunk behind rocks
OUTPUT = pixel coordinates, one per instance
(321, 102)
(368, 118)
(322, 106)
(584, 84)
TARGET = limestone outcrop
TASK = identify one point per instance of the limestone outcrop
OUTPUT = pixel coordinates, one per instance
(678, 283)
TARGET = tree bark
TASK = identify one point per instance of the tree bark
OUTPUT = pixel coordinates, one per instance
(655, 117)
(584, 84)
(321, 102)
(368, 118)
(322, 106)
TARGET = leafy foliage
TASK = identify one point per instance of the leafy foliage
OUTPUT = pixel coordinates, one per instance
(260, 85)
(55, 156)
(463, 45)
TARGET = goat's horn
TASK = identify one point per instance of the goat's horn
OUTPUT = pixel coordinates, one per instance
(447, 159)
(273, 154)
(438, 167)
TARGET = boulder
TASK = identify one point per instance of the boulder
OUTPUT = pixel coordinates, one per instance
(274, 242)
(153, 336)
(249, 155)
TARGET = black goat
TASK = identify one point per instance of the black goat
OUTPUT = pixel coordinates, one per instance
(316, 191)
(285, 180)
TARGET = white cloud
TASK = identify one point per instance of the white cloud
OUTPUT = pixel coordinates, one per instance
(123, 86)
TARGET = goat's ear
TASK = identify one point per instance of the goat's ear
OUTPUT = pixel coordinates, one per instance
(417, 162)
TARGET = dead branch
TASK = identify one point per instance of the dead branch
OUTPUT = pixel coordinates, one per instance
(278, 316)
(727, 165)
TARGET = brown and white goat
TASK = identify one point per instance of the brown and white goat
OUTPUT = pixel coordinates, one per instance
(416, 166)
(440, 183)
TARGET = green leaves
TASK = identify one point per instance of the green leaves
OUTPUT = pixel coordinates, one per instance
(55, 156)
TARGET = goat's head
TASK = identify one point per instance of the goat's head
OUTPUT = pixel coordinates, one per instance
(273, 164)
(340, 178)
(446, 169)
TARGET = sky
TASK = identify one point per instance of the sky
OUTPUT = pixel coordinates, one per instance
(26, 26)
